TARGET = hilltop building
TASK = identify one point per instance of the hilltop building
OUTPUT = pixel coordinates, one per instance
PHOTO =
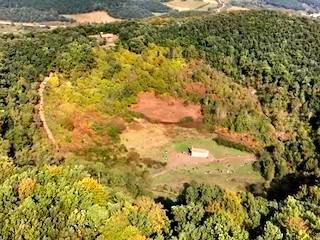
(106, 39)
(199, 152)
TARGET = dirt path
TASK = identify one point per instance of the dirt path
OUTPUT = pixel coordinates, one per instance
(29, 24)
(185, 160)
(221, 5)
(42, 112)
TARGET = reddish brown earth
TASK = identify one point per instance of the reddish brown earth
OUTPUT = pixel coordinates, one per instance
(165, 109)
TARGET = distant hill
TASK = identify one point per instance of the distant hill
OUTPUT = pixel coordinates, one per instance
(47, 10)
(309, 6)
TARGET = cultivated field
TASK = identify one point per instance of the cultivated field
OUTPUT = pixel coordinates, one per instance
(92, 17)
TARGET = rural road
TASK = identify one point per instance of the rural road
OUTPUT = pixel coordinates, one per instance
(26, 24)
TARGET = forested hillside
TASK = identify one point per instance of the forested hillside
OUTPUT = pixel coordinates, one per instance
(278, 58)
(261, 74)
(295, 5)
(25, 14)
(307, 6)
(13, 10)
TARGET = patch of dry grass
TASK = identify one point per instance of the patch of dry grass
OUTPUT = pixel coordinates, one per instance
(92, 17)
(147, 139)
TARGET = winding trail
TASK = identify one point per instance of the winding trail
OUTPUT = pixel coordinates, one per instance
(42, 112)
(221, 5)
(111, 38)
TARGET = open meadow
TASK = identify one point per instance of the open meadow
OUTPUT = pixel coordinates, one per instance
(232, 175)
(170, 145)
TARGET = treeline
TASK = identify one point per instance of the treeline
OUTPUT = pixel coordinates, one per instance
(50, 10)
(61, 202)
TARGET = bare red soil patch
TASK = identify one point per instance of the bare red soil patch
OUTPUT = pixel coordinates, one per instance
(165, 109)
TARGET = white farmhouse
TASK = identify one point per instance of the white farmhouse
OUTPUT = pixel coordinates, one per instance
(200, 153)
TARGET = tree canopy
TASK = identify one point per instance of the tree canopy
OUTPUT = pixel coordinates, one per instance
(261, 73)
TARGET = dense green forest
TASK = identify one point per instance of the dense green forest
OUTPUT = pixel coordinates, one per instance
(44, 194)
(25, 14)
(16, 10)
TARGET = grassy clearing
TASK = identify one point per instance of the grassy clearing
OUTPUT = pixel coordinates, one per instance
(161, 143)
(233, 175)
(218, 151)
(81, 113)
(147, 139)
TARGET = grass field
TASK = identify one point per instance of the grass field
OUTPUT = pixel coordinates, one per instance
(218, 151)
(159, 141)
(226, 167)
(233, 175)
(147, 139)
